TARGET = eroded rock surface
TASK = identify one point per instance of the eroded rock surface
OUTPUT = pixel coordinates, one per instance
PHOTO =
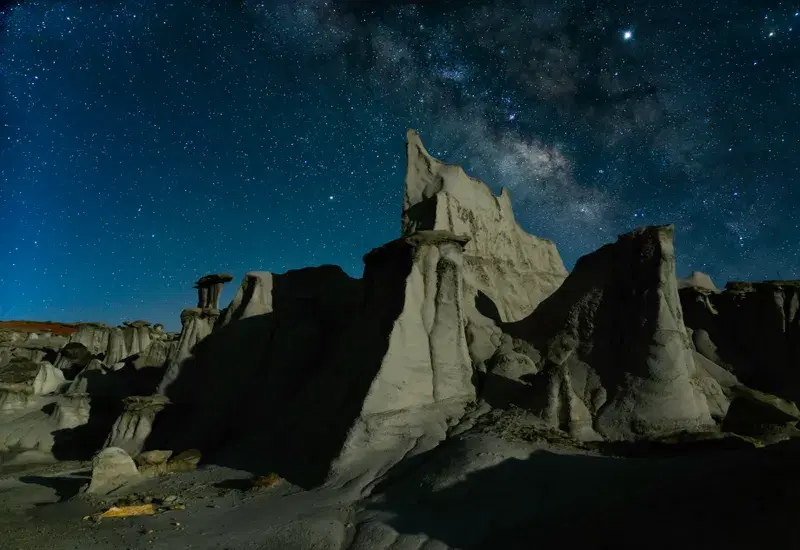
(515, 270)
(617, 359)
(751, 329)
(112, 469)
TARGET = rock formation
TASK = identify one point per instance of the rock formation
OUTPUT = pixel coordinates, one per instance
(196, 325)
(322, 378)
(515, 270)
(209, 288)
(616, 357)
(698, 279)
(131, 429)
(752, 330)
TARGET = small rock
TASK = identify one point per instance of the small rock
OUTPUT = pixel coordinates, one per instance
(153, 458)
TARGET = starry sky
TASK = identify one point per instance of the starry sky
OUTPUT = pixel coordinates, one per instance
(144, 143)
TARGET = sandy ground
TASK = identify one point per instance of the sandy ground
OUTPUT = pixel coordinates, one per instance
(474, 491)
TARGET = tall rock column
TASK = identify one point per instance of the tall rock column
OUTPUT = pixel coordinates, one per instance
(196, 324)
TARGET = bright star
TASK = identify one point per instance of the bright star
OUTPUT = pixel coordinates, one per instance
(627, 35)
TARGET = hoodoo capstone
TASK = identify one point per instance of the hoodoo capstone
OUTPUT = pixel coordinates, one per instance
(209, 288)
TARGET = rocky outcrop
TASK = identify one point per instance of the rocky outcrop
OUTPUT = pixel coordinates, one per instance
(132, 428)
(386, 358)
(73, 358)
(761, 415)
(196, 325)
(752, 330)
(698, 279)
(616, 358)
(209, 288)
(254, 297)
(71, 411)
(25, 376)
(509, 271)
(115, 344)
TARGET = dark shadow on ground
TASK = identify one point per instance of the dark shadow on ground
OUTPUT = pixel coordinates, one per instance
(729, 499)
(65, 487)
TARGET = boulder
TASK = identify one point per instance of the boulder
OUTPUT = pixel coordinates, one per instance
(153, 458)
(507, 271)
(112, 470)
(616, 358)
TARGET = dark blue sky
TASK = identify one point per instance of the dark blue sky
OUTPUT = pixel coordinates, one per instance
(146, 143)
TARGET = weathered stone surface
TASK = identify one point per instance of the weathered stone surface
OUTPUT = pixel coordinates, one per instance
(698, 279)
(112, 469)
(23, 375)
(254, 297)
(157, 354)
(196, 325)
(617, 359)
(386, 358)
(515, 270)
(73, 358)
(71, 411)
(751, 329)
(131, 429)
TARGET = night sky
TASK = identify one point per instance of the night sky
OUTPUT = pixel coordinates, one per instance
(146, 143)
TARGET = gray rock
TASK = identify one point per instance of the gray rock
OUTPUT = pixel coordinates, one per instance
(131, 430)
(617, 358)
(509, 271)
(112, 470)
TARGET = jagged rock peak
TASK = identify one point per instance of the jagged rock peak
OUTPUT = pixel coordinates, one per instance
(513, 268)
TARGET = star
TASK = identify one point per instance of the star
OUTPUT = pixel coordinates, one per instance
(627, 35)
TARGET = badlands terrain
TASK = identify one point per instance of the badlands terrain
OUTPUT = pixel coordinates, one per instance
(467, 392)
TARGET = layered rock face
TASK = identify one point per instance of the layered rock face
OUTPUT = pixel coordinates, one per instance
(515, 270)
(751, 329)
(616, 359)
(115, 343)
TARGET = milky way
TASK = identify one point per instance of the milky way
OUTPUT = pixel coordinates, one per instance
(146, 143)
